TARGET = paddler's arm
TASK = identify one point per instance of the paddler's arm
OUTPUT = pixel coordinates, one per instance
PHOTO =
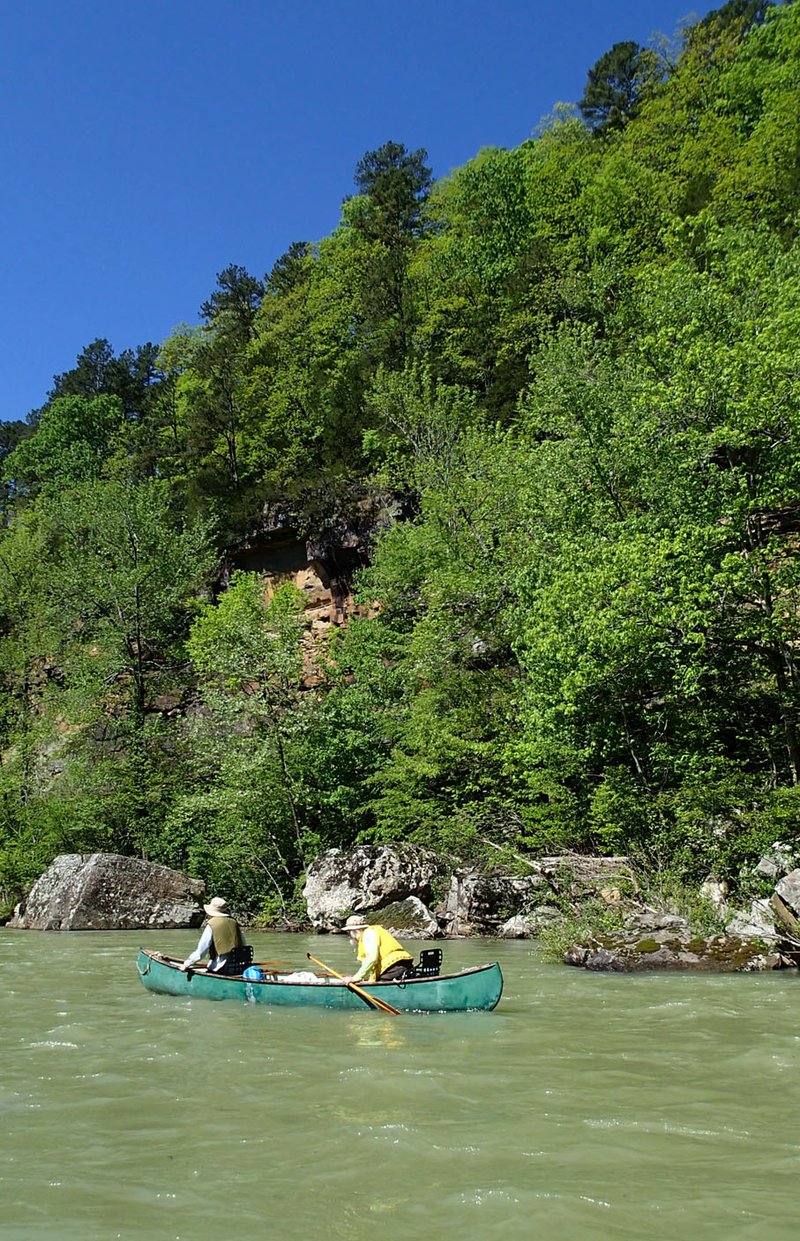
(371, 943)
(203, 948)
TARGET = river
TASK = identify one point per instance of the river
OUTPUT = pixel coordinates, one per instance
(586, 1106)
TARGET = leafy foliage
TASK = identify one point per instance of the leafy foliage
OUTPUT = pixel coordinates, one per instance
(568, 372)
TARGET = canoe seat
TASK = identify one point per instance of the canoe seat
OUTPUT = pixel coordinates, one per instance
(430, 963)
(239, 959)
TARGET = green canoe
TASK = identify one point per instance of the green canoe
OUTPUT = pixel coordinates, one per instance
(476, 988)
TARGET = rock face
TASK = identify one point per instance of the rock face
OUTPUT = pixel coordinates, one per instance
(476, 902)
(367, 880)
(660, 941)
(482, 904)
(720, 954)
(321, 565)
(517, 906)
(788, 889)
(397, 887)
(757, 922)
(108, 892)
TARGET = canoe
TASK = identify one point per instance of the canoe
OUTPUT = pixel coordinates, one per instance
(478, 988)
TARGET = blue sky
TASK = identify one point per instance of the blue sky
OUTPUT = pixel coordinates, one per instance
(147, 144)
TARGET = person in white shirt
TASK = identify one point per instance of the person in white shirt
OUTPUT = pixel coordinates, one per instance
(220, 941)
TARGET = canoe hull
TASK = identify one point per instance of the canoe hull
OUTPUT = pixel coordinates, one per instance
(477, 989)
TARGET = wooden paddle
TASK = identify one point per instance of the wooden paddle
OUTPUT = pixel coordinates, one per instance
(371, 999)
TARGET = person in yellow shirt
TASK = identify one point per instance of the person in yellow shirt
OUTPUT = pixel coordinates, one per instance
(381, 956)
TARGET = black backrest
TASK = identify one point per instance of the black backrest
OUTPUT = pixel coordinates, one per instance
(240, 958)
(430, 962)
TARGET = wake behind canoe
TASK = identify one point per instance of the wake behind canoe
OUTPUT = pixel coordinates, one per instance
(475, 989)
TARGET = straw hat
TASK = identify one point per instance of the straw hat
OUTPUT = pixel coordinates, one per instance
(354, 923)
(217, 907)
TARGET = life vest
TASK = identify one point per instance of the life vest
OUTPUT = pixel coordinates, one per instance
(227, 935)
(389, 951)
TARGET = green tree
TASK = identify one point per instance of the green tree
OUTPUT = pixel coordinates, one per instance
(616, 85)
(234, 302)
(11, 434)
(743, 13)
(441, 582)
(305, 376)
(120, 582)
(289, 270)
(397, 182)
(394, 184)
(71, 444)
(658, 632)
(208, 415)
(131, 376)
(248, 654)
(97, 587)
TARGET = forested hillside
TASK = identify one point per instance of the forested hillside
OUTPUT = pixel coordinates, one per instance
(571, 372)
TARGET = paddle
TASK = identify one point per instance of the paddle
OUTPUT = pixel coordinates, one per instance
(371, 999)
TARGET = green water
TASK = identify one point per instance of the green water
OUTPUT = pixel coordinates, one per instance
(583, 1107)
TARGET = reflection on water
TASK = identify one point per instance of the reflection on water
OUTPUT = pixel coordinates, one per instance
(583, 1107)
(379, 1032)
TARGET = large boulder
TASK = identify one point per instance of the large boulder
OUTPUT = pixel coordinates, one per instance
(757, 922)
(407, 919)
(484, 904)
(366, 880)
(109, 892)
(495, 902)
(528, 926)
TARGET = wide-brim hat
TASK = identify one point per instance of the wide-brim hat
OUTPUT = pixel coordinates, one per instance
(354, 923)
(217, 907)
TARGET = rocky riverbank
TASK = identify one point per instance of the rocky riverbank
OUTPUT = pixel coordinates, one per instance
(419, 895)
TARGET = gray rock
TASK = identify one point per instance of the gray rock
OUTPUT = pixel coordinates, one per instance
(480, 904)
(546, 913)
(715, 891)
(778, 862)
(582, 872)
(628, 954)
(758, 922)
(657, 920)
(518, 927)
(366, 879)
(602, 961)
(407, 919)
(529, 925)
(788, 889)
(109, 892)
